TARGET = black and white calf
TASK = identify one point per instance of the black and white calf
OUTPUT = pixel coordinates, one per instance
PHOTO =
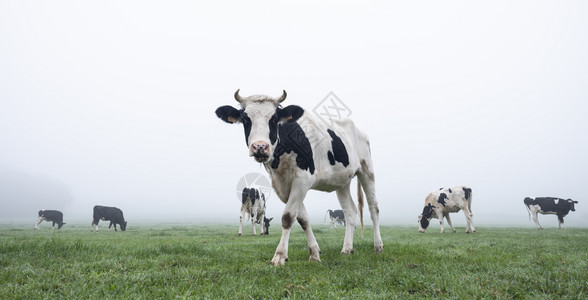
(549, 206)
(337, 217)
(106, 213)
(253, 205)
(266, 225)
(302, 152)
(54, 216)
(440, 203)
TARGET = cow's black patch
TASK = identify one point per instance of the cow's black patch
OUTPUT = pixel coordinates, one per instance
(450, 190)
(442, 198)
(287, 221)
(244, 195)
(339, 151)
(246, 125)
(468, 193)
(426, 216)
(303, 223)
(293, 139)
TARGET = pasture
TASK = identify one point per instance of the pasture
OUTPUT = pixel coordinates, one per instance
(210, 261)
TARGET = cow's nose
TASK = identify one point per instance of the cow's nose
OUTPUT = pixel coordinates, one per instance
(259, 147)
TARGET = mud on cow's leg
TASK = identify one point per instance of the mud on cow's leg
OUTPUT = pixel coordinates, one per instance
(290, 214)
(313, 246)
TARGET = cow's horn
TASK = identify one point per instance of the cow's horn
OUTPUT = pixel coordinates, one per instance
(283, 97)
(237, 97)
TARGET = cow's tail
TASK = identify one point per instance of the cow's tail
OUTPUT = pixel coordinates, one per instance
(360, 204)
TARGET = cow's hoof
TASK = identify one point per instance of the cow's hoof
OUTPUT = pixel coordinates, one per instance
(279, 259)
(454, 231)
(314, 258)
(347, 251)
(379, 249)
(239, 234)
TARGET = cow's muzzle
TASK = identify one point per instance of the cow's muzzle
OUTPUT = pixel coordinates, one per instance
(260, 151)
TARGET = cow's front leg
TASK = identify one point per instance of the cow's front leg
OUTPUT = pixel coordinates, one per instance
(440, 216)
(313, 247)
(350, 211)
(297, 194)
(39, 220)
(253, 218)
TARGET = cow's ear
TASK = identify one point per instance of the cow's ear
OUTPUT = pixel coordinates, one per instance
(228, 114)
(290, 113)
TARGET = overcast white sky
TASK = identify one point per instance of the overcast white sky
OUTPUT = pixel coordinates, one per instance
(112, 102)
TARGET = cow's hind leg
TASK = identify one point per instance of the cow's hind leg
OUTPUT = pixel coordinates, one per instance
(366, 178)
(470, 221)
(449, 222)
(313, 247)
(560, 221)
(253, 218)
(350, 210)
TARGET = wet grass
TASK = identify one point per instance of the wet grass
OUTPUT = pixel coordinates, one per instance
(190, 261)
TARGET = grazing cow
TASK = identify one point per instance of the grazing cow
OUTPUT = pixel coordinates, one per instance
(549, 206)
(54, 216)
(253, 205)
(440, 203)
(266, 224)
(337, 217)
(302, 152)
(106, 213)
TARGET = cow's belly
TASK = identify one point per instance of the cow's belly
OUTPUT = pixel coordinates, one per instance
(333, 181)
(546, 212)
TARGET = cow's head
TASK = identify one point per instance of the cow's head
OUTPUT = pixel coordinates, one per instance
(571, 204)
(266, 224)
(260, 116)
(123, 226)
(425, 217)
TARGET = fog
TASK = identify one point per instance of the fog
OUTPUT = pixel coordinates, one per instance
(112, 103)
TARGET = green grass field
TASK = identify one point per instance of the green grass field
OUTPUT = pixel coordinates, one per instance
(191, 261)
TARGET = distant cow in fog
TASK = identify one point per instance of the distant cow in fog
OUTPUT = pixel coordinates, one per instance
(440, 203)
(337, 217)
(549, 206)
(54, 216)
(252, 205)
(266, 225)
(106, 213)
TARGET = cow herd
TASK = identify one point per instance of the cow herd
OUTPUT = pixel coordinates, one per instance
(104, 213)
(301, 152)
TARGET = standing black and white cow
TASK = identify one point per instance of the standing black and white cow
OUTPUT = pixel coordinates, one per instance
(253, 205)
(302, 152)
(549, 206)
(106, 213)
(54, 216)
(337, 217)
(440, 203)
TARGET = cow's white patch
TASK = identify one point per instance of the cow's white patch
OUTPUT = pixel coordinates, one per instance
(556, 201)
